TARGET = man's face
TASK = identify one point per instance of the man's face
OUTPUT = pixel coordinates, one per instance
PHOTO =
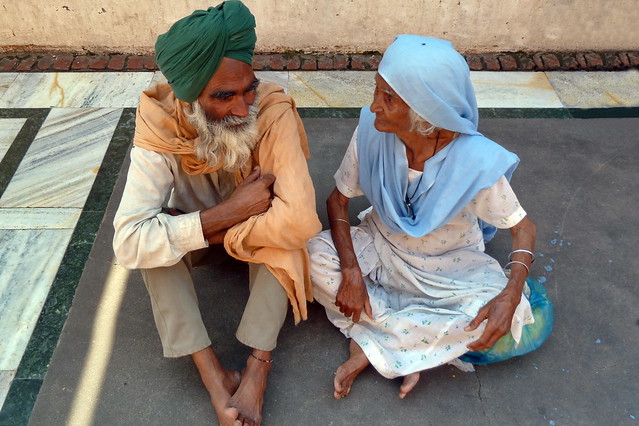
(230, 91)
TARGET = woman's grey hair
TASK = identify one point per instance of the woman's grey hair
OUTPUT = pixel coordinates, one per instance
(419, 125)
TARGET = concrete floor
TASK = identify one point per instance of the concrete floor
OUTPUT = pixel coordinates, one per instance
(577, 180)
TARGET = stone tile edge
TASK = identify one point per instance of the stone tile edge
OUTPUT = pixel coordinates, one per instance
(296, 61)
(28, 379)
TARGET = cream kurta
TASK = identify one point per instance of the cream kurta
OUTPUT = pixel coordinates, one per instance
(423, 291)
(147, 238)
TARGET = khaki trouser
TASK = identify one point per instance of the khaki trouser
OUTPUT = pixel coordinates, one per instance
(177, 314)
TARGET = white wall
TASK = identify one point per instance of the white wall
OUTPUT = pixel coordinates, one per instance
(331, 25)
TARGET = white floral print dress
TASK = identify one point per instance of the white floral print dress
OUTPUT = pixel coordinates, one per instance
(423, 291)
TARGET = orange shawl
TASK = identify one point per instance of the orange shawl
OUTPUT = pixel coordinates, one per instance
(277, 237)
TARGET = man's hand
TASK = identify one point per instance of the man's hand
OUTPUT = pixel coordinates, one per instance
(253, 195)
(172, 211)
(352, 296)
(499, 312)
(217, 238)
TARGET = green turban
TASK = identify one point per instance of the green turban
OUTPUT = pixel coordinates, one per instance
(191, 51)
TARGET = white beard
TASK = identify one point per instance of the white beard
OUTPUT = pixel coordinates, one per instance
(231, 139)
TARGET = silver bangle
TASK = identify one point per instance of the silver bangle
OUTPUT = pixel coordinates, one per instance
(532, 255)
(341, 220)
(521, 263)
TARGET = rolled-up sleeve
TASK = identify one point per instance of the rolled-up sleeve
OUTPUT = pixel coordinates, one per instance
(144, 236)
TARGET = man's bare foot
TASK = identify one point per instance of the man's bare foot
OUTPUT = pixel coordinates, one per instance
(246, 402)
(348, 371)
(408, 384)
(220, 383)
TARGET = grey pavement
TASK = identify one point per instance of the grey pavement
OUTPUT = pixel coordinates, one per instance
(578, 182)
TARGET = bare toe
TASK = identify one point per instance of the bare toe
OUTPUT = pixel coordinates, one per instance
(248, 398)
(347, 372)
(340, 391)
(408, 384)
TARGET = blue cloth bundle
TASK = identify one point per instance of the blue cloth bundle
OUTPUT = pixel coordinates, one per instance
(532, 336)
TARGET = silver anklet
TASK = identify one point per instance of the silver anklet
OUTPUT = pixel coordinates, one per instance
(268, 361)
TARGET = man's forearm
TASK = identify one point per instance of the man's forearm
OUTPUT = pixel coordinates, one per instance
(217, 238)
(217, 219)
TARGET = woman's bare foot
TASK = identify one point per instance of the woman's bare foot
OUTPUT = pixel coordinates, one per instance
(246, 402)
(220, 383)
(348, 371)
(408, 384)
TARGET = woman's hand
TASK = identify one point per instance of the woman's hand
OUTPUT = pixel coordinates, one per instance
(498, 313)
(352, 296)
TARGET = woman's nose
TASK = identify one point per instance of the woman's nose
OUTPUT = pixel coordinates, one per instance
(376, 105)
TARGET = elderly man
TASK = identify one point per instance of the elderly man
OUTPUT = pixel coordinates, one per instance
(229, 154)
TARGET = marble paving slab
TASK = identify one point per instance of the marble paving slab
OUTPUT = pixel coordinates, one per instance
(9, 129)
(76, 90)
(60, 166)
(37, 218)
(6, 377)
(29, 261)
(158, 77)
(6, 78)
(580, 89)
(332, 88)
(278, 77)
(514, 90)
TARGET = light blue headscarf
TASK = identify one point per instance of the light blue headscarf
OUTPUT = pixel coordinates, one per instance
(434, 80)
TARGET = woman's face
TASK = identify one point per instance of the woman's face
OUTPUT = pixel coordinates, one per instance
(391, 112)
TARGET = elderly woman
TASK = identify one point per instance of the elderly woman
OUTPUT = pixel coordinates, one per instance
(411, 285)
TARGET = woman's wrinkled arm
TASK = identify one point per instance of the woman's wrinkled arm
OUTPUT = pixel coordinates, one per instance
(500, 310)
(352, 296)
